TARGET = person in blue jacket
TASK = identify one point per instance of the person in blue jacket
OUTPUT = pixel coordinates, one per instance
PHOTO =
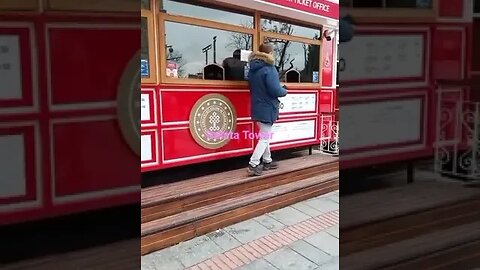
(265, 89)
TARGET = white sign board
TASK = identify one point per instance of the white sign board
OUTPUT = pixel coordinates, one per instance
(293, 131)
(146, 147)
(145, 107)
(244, 54)
(298, 103)
(10, 71)
(12, 167)
(370, 57)
(396, 122)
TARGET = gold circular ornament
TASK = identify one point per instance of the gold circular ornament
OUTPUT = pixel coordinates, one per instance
(128, 103)
(213, 121)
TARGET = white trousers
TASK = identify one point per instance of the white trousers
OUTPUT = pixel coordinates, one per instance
(262, 150)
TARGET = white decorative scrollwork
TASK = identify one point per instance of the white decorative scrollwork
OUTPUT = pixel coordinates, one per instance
(329, 137)
(457, 142)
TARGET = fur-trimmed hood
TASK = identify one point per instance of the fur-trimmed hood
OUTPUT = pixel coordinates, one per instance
(265, 57)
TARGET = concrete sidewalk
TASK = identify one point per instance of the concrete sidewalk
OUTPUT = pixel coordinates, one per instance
(301, 236)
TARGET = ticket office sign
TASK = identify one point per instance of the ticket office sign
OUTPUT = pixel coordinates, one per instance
(292, 131)
(400, 121)
(381, 57)
(295, 103)
(145, 107)
(10, 68)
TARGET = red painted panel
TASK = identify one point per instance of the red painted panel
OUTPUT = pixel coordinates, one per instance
(447, 54)
(30, 153)
(326, 101)
(177, 105)
(98, 163)
(327, 62)
(87, 64)
(451, 8)
(476, 44)
(26, 67)
(178, 143)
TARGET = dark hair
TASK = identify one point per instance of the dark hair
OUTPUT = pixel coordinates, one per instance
(237, 54)
(265, 48)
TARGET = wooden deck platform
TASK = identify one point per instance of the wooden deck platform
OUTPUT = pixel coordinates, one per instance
(405, 227)
(180, 211)
(122, 255)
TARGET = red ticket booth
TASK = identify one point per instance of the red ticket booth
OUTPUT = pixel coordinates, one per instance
(194, 66)
(62, 76)
(388, 84)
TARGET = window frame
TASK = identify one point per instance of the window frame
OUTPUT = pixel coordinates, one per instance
(152, 51)
(256, 32)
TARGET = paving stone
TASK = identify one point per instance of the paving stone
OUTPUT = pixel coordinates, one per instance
(334, 197)
(258, 265)
(333, 264)
(270, 223)
(289, 216)
(247, 231)
(287, 259)
(323, 205)
(325, 242)
(334, 231)
(224, 240)
(306, 209)
(310, 252)
(196, 250)
(164, 259)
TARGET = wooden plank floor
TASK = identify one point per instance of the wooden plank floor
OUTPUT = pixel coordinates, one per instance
(374, 206)
(220, 180)
(122, 255)
(410, 249)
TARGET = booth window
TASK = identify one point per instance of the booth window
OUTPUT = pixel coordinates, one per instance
(204, 43)
(296, 50)
(144, 50)
(202, 11)
(148, 67)
(212, 47)
(145, 4)
(275, 26)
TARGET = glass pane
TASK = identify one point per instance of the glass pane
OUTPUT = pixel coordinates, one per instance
(301, 57)
(145, 68)
(367, 3)
(211, 46)
(476, 6)
(274, 26)
(180, 8)
(409, 3)
(146, 4)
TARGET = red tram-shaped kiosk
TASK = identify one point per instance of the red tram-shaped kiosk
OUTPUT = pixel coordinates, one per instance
(70, 78)
(389, 83)
(194, 68)
(62, 74)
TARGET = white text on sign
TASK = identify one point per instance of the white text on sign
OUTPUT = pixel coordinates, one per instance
(312, 4)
